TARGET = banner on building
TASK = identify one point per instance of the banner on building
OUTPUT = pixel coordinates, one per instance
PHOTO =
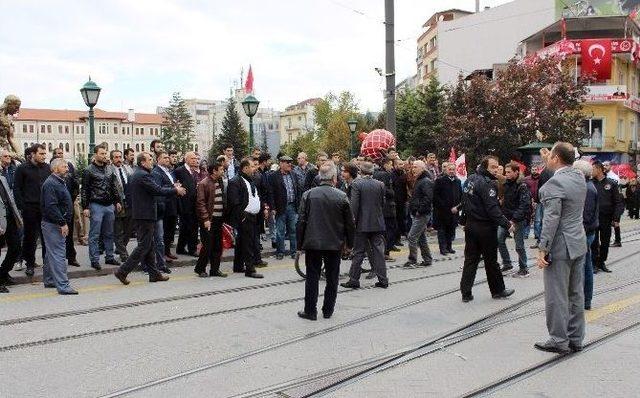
(596, 58)
(597, 8)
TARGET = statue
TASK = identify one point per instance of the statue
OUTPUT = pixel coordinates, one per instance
(10, 107)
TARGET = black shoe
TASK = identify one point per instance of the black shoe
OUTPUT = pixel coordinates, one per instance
(274, 245)
(166, 270)
(504, 294)
(262, 264)
(112, 261)
(279, 256)
(254, 275)
(326, 315)
(587, 306)
(7, 281)
(398, 243)
(443, 252)
(158, 278)
(304, 315)
(3, 289)
(73, 263)
(507, 267)
(351, 285)
(70, 292)
(550, 347)
(29, 271)
(595, 269)
(451, 251)
(575, 347)
(96, 266)
(49, 286)
(203, 275)
(425, 263)
(293, 256)
(617, 244)
(410, 264)
(219, 274)
(121, 277)
(382, 285)
(604, 268)
(467, 297)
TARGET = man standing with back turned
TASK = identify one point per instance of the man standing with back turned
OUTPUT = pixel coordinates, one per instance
(562, 250)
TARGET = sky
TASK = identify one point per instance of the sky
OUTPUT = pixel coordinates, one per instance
(140, 52)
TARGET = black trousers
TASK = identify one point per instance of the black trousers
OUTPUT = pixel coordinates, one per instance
(188, 236)
(313, 262)
(243, 260)
(446, 233)
(11, 239)
(390, 233)
(481, 239)
(70, 246)
(211, 247)
(618, 238)
(32, 218)
(401, 218)
(169, 224)
(145, 252)
(600, 245)
(122, 228)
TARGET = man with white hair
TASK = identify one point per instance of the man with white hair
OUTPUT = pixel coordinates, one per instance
(420, 207)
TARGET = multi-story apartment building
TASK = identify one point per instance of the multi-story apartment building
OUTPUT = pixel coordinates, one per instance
(207, 116)
(69, 130)
(298, 119)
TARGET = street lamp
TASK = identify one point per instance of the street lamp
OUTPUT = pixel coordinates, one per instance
(90, 93)
(250, 106)
(353, 124)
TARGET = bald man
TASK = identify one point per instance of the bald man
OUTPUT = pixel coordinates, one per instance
(187, 175)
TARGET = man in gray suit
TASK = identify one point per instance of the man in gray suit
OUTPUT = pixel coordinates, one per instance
(562, 251)
(367, 203)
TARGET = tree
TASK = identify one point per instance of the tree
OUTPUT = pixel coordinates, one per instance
(177, 127)
(303, 143)
(233, 133)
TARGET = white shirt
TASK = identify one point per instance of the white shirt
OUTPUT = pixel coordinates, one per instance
(254, 200)
(168, 173)
(231, 170)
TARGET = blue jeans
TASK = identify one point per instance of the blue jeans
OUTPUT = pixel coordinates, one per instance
(54, 272)
(101, 225)
(537, 222)
(286, 222)
(588, 271)
(518, 237)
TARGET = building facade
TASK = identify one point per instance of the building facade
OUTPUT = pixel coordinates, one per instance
(69, 130)
(298, 119)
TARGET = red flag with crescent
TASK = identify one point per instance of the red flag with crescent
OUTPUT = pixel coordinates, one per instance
(248, 87)
(596, 58)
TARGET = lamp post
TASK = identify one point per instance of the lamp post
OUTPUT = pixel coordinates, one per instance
(250, 106)
(90, 93)
(353, 124)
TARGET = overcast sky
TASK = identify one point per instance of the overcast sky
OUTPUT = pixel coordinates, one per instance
(141, 51)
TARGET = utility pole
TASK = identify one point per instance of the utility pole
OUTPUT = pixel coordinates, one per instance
(477, 5)
(390, 72)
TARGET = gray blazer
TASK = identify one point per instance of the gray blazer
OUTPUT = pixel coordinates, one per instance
(367, 204)
(3, 208)
(563, 198)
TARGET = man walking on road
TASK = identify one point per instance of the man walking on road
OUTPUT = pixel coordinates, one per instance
(611, 207)
(325, 228)
(562, 250)
(420, 207)
(516, 206)
(447, 195)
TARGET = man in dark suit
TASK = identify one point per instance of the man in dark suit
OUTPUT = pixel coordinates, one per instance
(284, 196)
(143, 191)
(171, 210)
(243, 202)
(367, 204)
(447, 197)
(384, 175)
(325, 228)
(162, 176)
(122, 224)
(10, 223)
(187, 175)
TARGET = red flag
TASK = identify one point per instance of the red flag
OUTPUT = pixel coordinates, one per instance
(596, 58)
(452, 155)
(248, 87)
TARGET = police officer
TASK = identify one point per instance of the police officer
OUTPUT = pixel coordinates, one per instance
(611, 208)
(482, 218)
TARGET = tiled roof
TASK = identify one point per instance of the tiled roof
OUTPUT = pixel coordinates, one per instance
(302, 104)
(65, 115)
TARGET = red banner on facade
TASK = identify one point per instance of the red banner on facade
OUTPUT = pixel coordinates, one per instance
(596, 58)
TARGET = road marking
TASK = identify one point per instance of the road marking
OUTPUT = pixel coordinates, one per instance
(612, 308)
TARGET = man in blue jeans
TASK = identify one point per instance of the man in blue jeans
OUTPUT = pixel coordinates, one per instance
(516, 207)
(100, 201)
(284, 196)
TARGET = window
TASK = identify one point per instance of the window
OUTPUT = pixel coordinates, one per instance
(42, 127)
(83, 147)
(196, 148)
(66, 129)
(620, 130)
(116, 145)
(59, 129)
(142, 132)
(290, 138)
(137, 131)
(621, 77)
(137, 148)
(115, 130)
(593, 129)
(50, 147)
(25, 145)
(24, 128)
(31, 128)
(78, 147)
(123, 131)
(143, 147)
(60, 145)
(632, 130)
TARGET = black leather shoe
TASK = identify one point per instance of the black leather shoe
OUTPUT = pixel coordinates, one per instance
(112, 261)
(327, 315)
(96, 266)
(203, 275)
(254, 275)
(121, 277)
(351, 285)
(506, 268)
(158, 278)
(49, 286)
(616, 244)
(504, 294)
(550, 347)
(604, 268)
(219, 274)
(3, 289)
(262, 264)
(382, 285)
(595, 269)
(70, 292)
(467, 297)
(73, 263)
(575, 347)
(451, 251)
(304, 315)
(426, 263)
(443, 252)
(29, 271)
(7, 281)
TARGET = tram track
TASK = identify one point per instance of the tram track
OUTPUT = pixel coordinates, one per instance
(385, 359)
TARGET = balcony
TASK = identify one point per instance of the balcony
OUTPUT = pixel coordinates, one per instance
(606, 93)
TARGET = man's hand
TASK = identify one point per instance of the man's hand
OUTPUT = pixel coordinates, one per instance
(454, 210)
(512, 227)
(540, 261)
(616, 224)
(64, 230)
(181, 191)
(86, 213)
(207, 225)
(118, 207)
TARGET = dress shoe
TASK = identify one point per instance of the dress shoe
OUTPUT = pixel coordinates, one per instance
(96, 266)
(166, 270)
(7, 281)
(219, 274)
(467, 297)
(293, 256)
(550, 347)
(504, 294)
(381, 285)
(575, 347)
(443, 253)
(595, 269)
(398, 243)
(616, 244)
(3, 289)
(73, 263)
(70, 292)
(274, 245)
(29, 271)
(451, 251)
(49, 286)
(279, 256)
(158, 278)
(326, 315)
(121, 277)
(262, 264)
(254, 275)
(425, 263)
(587, 306)
(410, 264)
(304, 315)
(351, 285)
(203, 275)
(171, 256)
(506, 268)
(604, 268)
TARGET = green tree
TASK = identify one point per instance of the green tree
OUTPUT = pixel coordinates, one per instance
(307, 143)
(177, 128)
(233, 133)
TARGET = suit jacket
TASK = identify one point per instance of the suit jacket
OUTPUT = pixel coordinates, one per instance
(123, 191)
(278, 192)
(447, 193)
(237, 200)
(563, 197)
(186, 203)
(144, 191)
(367, 204)
(168, 205)
(12, 205)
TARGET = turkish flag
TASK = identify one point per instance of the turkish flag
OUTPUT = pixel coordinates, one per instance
(248, 87)
(596, 58)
